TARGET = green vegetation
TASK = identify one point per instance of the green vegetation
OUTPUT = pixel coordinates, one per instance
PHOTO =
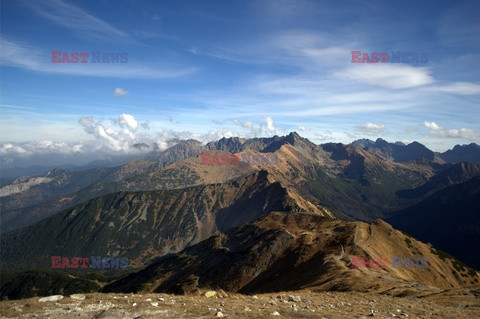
(443, 255)
(472, 272)
(457, 264)
(409, 243)
(45, 282)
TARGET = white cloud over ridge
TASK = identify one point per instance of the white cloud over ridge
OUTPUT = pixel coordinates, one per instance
(465, 133)
(265, 126)
(371, 128)
(114, 137)
(270, 123)
(119, 136)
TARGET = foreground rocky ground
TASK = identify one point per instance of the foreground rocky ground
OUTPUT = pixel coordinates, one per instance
(459, 303)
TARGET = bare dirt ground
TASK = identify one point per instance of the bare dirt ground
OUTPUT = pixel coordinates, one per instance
(459, 303)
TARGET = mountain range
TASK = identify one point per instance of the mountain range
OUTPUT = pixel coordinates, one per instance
(193, 226)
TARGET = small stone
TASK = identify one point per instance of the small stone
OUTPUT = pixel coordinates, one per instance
(161, 299)
(294, 298)
(210, 293)
(275, 313)
(272, 302)
(246, 309)
(219, 314)
(77, 297)
(134, 304)
(155, 304)
(149, 299)
(254, 297)
(53, 298)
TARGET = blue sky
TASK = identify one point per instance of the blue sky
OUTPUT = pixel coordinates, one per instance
(207, 69)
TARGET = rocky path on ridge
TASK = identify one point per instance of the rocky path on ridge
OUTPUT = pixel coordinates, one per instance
(459, 303)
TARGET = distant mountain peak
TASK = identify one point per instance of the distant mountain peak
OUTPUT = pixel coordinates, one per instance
(363, 143)
(398, 151)
(55, 172)
(467, 152)
(293, 139)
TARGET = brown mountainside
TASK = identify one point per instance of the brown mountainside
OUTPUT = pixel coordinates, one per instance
(292, 251)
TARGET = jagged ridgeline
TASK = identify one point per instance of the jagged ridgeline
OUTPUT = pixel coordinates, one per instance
(170, 203)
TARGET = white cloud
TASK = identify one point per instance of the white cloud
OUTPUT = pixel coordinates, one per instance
(433, 126)
(120, 92)
(270, 123)
(265, 126)
(465, 133)
(128, 120)
(9, 148)
(119, 136)
(371, 128)
(387, 75)
(323, 136)
(301, 128)
(461, 88)
(245, 124)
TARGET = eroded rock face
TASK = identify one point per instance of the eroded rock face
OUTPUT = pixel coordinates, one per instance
(22, 184)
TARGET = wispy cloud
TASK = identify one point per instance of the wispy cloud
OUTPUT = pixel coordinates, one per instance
(34, 59)
(17, 107)
(76, 19)
(387, 75)
(461, 88)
